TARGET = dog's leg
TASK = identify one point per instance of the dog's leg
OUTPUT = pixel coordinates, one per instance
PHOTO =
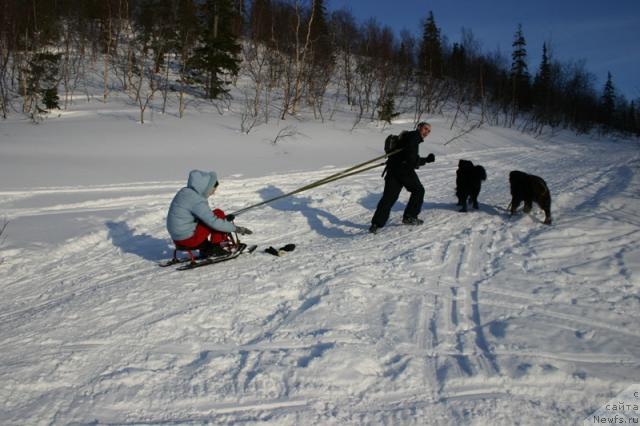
(474, 197)
(464, 203)
(546, 205)
(547, 213)
(515, 203)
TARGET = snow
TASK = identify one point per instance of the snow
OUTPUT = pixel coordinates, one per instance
(471, 318)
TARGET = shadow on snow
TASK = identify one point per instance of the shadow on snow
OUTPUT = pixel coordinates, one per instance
(143, 245)
(313, 215)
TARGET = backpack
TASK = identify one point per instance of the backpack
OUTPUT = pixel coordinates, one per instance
(395, 142)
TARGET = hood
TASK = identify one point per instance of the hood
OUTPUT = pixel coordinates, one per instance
(202, 182)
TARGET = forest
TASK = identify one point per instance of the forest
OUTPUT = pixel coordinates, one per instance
(284, 56)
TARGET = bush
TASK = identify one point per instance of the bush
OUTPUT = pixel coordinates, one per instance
(387, 111)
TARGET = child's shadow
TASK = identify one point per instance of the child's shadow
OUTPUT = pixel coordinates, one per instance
(143, 245)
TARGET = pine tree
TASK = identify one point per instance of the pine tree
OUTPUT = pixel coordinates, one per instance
(387, 111)
(543, 78)
(519, 55)
(632, 120)
(431, 49)
(608, 102)
(217, 54)
(458, 62)
(542, 87)
(156, 25)
(519, 71)
(50, 98)
(42, 83)
(322, 49)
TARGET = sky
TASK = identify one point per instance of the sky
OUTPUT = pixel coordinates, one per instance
(604, 34)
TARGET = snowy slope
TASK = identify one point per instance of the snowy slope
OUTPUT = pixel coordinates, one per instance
(472, 318)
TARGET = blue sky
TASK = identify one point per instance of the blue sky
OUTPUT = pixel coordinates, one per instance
(605, 34)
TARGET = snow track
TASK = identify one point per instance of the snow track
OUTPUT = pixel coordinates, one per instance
(472, 317)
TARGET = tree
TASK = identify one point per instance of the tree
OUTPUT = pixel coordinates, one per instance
(217, 55)
(579, 100)
(322, 57)
(260, 19)
(458, 62)
(238, 25)
(143, 78)
(430, 93)
(608, 102)
(345, 39)
(405, 59)
(42, 83)
(520, 93)
(186, 36)
(431, 62)
(387, 110)
(543, 89)
(321, 47)
(632, 119)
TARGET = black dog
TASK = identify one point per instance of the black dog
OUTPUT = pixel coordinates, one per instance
(468, 183)
(529, 188)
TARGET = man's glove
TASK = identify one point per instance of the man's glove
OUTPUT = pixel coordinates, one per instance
(229, 218)
(424, 160)
(243, 231)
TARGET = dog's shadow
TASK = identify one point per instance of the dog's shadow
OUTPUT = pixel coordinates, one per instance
(492, 210)
(485, 209)
(453, 207)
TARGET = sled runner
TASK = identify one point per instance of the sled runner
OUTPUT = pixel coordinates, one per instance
(232, 246)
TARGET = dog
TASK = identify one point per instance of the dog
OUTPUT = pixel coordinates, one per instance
(468, 183)
(529, 188)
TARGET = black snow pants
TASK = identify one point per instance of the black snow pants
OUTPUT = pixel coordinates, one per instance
(395, 180)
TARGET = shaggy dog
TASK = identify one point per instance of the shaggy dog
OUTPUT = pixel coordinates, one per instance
(529, 188)
(468, 183)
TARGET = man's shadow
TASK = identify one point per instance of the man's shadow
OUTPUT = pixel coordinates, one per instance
(143, 245)
(313, 215)
(370, 202)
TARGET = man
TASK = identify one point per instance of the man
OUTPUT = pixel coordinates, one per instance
(192, 224)
(401, 173)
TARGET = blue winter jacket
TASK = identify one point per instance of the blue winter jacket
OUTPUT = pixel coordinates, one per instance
(190, 206)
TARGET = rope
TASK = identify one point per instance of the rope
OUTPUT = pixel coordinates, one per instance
(351, 171)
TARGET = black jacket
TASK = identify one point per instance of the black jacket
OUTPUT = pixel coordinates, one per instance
(409, 157)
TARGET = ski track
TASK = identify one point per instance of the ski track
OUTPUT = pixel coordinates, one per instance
(468, 314)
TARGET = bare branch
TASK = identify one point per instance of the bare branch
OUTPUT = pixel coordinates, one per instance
(286, 132)
(463, 132)
(3, 237)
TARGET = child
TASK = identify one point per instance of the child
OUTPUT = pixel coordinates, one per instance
(192, 224)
